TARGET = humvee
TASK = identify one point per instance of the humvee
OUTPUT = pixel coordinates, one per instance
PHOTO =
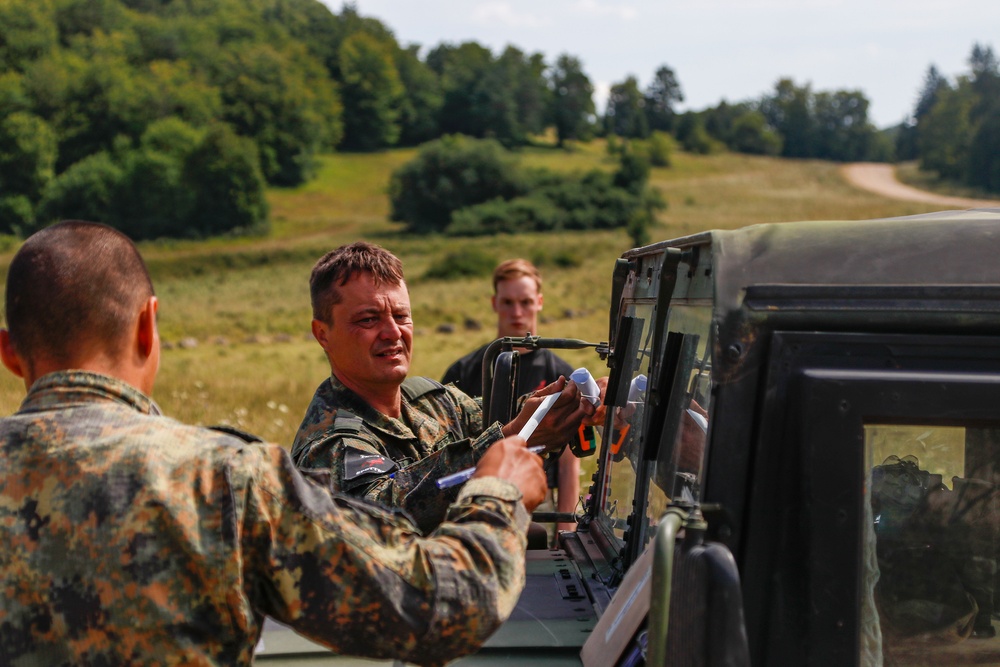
(799, 462)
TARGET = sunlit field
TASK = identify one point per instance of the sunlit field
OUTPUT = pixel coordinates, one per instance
(235, 313)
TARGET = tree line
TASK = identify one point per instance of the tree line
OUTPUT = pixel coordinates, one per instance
(954, 130)
(171, 117)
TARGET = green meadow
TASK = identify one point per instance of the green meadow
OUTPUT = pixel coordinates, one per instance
(235, 315)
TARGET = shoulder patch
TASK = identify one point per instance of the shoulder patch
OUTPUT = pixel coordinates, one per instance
(415, 387)
(360, 462)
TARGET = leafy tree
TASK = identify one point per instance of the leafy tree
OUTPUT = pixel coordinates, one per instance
(946, 132)
(422, 101)
(693, 136)
(984, 152)
(525, 76)
(27, 155)
(842, 130)
(751, 134)
(789, 111)
(625, 114)
(282, 100)
(502, 98)
(27, 32)
(224, 174)
(372, 94)
(449, 174)
(17, 215)
(934, 84)
(461, 70)
(572, 99)
(985, 81)
(906, 141)
(150, 201)
(661, 95)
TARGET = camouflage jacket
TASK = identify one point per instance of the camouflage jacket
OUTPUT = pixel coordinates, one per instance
(130, 538)
(394, 462)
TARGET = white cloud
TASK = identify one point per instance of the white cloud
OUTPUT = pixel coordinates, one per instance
(595, 8)
(502, 12)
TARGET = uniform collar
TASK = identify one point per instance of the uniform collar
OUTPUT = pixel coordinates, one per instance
(71, 388)
(399, 428)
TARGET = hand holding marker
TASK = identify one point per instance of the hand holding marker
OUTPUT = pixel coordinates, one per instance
(587, 389)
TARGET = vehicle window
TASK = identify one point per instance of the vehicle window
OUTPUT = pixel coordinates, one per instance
(676, 471)
(930, 546)
(622, 444)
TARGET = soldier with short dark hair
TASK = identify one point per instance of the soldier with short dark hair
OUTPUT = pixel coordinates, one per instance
(385, 436)
(130, 538)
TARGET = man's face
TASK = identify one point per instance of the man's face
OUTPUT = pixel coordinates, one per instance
(517, 303)
(371, 336)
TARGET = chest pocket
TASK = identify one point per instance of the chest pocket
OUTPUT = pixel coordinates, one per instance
(416, 388)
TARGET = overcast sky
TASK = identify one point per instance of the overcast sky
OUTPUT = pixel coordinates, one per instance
(721, 49)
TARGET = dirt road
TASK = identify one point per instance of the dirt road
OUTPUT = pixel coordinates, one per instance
(881, 179)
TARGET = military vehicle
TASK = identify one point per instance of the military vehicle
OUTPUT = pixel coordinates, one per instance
(799, 462)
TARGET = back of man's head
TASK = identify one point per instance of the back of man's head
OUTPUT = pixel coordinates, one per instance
(337, 267)
(513, 269)
(72, 286)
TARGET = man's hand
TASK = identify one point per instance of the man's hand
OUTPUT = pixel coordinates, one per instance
(561, 421)
(510, 459)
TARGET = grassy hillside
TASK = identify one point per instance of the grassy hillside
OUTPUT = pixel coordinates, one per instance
(244, 303)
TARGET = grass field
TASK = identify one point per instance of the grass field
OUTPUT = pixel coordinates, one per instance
(241, 307)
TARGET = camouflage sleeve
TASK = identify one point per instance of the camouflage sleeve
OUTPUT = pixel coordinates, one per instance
(361, 579)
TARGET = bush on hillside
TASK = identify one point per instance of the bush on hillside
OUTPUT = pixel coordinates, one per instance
(659, 148)
(467, 263)
(449, 174)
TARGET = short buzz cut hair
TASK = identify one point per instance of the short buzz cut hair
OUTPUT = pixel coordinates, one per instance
(337, 267)
(74, 283)
(513, 269)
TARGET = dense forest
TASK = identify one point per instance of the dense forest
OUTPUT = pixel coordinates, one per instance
(171, 117)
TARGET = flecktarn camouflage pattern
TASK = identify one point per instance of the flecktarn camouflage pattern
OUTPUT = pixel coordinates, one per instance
(394, 462)
(129, 538)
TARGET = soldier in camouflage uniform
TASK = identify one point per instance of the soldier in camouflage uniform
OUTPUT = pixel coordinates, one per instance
(130, 538)
(384, 436)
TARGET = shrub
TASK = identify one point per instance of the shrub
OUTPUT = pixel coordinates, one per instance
(83, 192)
(225, 174)
(522, 214)
(660, 147)
(16, 215)
(151, 201)
(449, 174)
(468, 263)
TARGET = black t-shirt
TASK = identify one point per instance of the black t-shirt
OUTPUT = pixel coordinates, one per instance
(535, 370)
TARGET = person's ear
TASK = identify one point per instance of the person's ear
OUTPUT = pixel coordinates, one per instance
(146, 332)
(320, 332)
(541, 299)
(493, 302)
(9, 356)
